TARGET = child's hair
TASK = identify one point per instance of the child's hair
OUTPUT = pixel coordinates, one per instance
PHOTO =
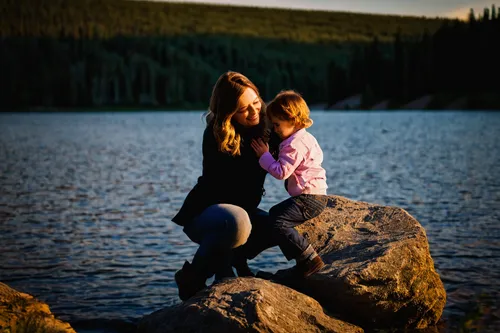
(289, 105)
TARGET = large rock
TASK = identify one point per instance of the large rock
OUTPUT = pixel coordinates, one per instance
(245, 305)
(379, 271)
(21, 313)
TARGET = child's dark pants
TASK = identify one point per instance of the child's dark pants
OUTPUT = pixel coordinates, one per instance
(293, 212)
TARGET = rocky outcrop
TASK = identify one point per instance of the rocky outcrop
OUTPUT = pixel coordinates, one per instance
(21, 313)
(418, 104)
(384, 105)
(245, 305)
(350, 103)
(378, 274)
(379, 271)
(457, 104)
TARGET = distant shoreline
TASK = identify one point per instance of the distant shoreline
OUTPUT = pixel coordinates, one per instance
(160, 110)
(353, 103)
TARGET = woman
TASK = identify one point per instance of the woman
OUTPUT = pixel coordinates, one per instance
(221, 210)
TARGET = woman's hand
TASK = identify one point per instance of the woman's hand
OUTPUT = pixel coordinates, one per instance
(259, 146)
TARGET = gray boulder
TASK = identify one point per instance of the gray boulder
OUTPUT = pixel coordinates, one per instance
(245, 305)
(379, 271)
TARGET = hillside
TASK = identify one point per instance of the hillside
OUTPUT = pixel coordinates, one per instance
(90, 54)
(110, 18)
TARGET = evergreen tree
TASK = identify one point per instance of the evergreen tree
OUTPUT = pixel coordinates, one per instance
(399, 70)
(486, 14)
(472, 16)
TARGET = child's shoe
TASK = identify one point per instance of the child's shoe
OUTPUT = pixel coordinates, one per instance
(308, 267)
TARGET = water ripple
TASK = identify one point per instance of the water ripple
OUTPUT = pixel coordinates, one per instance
(86, 201)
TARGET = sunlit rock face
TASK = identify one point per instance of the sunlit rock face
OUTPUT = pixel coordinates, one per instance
(378, 274)
(245, 305)
(21, 313)
(379, 271)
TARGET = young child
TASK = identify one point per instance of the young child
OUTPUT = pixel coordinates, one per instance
(299, 163)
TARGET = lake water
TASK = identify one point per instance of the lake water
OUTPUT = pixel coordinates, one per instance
(86, 201)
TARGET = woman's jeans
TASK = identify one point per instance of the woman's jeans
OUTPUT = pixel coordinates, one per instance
(290, 213)
(224, 232)
(218, 229)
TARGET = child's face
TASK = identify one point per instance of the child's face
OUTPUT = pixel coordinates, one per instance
(284, 128)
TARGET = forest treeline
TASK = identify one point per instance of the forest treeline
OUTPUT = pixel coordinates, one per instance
(104, 19)
(456, 63)
(113, 53)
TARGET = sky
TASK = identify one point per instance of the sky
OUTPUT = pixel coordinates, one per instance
(430, 8)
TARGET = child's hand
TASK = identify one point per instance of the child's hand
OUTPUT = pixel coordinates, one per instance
(260, 147)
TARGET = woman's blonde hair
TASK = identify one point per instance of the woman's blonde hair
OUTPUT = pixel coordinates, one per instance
(289, 105)
(223, 105)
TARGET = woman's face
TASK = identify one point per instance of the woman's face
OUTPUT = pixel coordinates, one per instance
(248, 111)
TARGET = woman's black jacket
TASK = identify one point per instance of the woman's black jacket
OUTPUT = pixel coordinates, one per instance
(237, 180)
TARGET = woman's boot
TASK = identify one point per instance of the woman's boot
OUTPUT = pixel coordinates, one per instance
(189, 281)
